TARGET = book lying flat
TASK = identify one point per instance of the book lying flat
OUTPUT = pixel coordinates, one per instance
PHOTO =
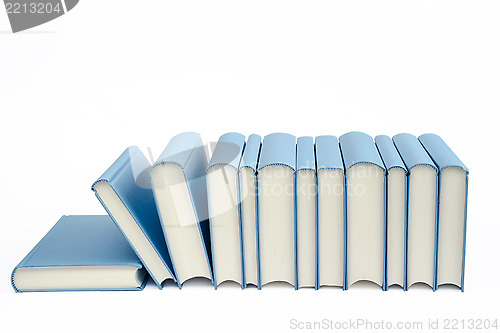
(396, 211)
(422, 211)
(365, 189)
(179, 182)
(222, 188)
(125, 192)
(452, 215)
(331, 212)
(249, 209)
(276, 186)
(80, 253)
(305, 196)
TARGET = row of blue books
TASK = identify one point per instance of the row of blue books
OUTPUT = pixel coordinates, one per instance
(309, 212)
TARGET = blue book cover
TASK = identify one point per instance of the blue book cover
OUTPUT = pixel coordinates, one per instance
(331, 213)
(389, 153)
(251, 154)
(328, 156)
(452, 201)
(224, 209)
(179, 183)
(125, 192)
(358, 148)
(228, 151)
(365, 210)
(249, 208)
(305, 214)
(80, 252)
(276, 188)
(396, 215)
(278, 149)
(422, 212)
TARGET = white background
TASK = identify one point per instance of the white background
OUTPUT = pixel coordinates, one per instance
(75, 92)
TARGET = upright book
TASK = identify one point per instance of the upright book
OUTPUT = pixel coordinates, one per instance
(179, 182)
(125, 192)
(422, 211)
(452, 215)
(249, 209)
(396, 211)
(365, 219)
(331, 212)
(224, 213)
(80, 253)
(305, 198)
(276, 186)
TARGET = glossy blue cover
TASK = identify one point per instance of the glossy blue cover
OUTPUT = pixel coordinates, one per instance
(278, 149)
(129, 178)
(328, 154)
(444, 157)
(81, 240)
(251, 154)
(358, 148)
(440, 153)
(389, 153)
(228, 150)
(413, 154)
(187, 151)
(250, 159)
(305, 154)
(411, 151)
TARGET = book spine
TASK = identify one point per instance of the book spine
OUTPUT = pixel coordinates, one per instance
(405, 274)
(240, 224)
(316, 233)
(257, 225)
(345, 286)
(384, 272)
(465, 229)
(436, 241)
(296, 250)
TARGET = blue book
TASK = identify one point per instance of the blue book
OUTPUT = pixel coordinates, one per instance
(223, 207)
(247, 198)
(180, 187)
(276, 189)
(396, 211)
(452, 210)
(80, 253)
(305, 198)
(331, 212)
(365, 212)
(125, 192)
(421, 255)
